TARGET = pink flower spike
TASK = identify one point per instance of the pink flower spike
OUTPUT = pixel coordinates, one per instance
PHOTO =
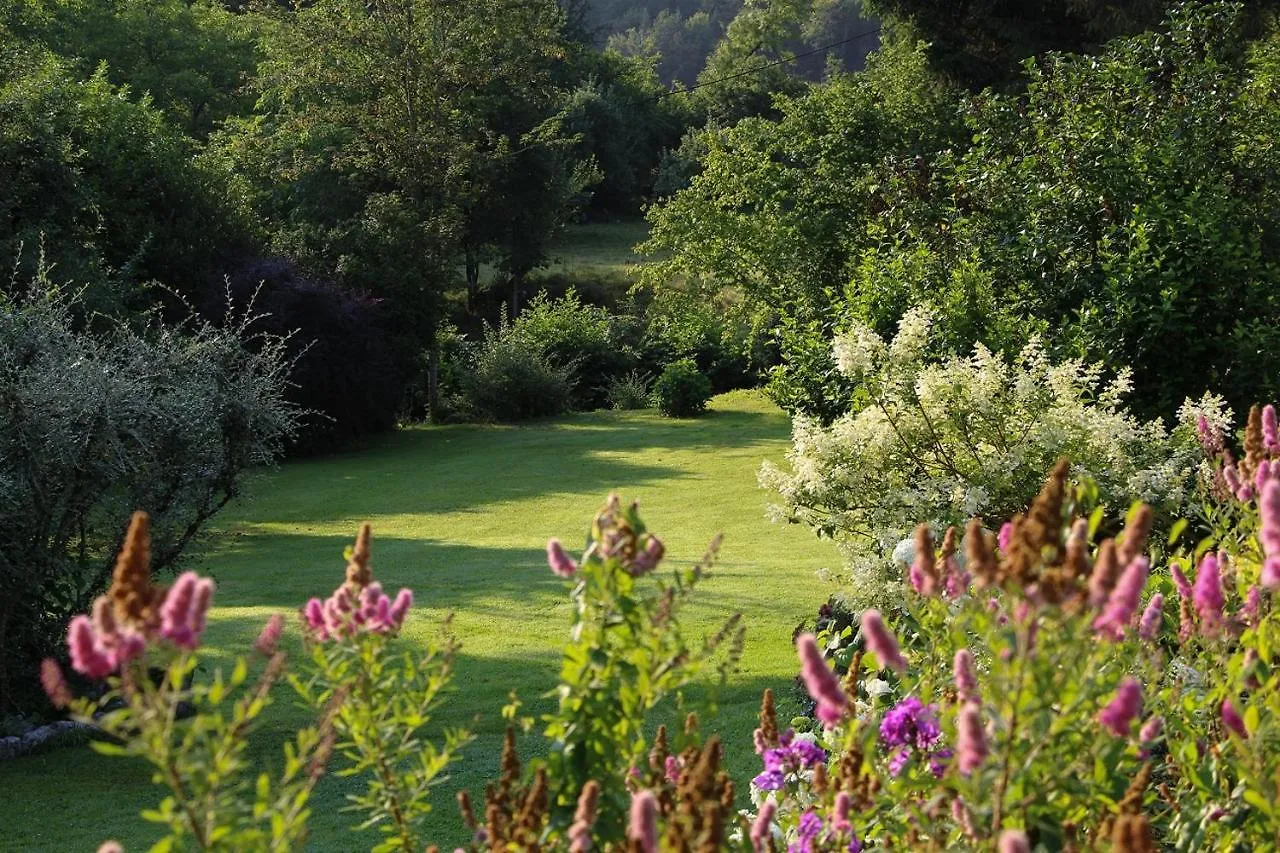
(840, 812)
(1231, 719)
(87, 655)
(199, 612)
(1271, 573)
(1013, 841)
(175, 611)
(313, 615)
(971, 739)
(1262, 475)
(1005, 536)
(643, 825)
(762, 827)
(1123, 708)
(1151, 729)
(1270, 435)
(1123, 603)
(1269, 514)
(881, 642)
(558, 559)
(1180, 581)
(54, 683)
(269, 636)
(400, 608)
(820, 681)
(1152, 618)
(1206, 595)
(1251, 610)
(966, 677)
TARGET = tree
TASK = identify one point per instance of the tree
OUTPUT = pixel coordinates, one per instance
(377, 134)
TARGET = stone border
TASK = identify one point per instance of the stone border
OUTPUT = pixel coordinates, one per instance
(41, 738)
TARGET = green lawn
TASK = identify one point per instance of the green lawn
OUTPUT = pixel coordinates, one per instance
(461, 514)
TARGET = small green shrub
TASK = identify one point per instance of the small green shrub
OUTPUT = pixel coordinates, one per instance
(512, 380)
(681, 391)
(630, 391)
(568, 332)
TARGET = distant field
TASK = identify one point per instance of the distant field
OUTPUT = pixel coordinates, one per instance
(461, 514)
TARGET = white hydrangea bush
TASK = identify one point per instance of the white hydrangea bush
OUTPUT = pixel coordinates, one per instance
(944, 440)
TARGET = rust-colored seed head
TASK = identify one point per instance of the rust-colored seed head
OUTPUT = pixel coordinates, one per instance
(768, 719)
(135, 602)
(359, 571)
(691, 724)
(1131, 833)
(658, 754)
(1131, 803)
(510, 762)
(979, 555)
(1254, 448)
(819, 782)
(468, 813)
(926, 560)
(1135, 536)
(949, 542)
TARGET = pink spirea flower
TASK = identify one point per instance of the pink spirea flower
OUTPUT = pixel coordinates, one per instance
(643, 825)
(1206, 595)
(559, 560)
(1114, 621)
(98, 647)
(971, 739)
(1013, 841)
(762, 826)
(1151, 729)
(1262, 475)
(269, 637)
(1232, 478)
(1270, 435)
(54, 683)
(920, 580)
(966, 677)
(820, 681)
(1269, 512)
(1231, 719)
(881, 642)
(1251, 611)
(185, 609)
(840, 812)
(1152, 618)
(1210, 436)
(1005, 536)
(339, 616)
(955, 580)
(648, 558)
(1180, 581)
(1123, 707)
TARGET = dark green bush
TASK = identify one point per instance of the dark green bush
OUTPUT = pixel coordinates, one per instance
(681, 391)
(568, 333)
(511, 379)
(721, 335)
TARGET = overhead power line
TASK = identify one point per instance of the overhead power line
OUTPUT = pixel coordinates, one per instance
(768, 65)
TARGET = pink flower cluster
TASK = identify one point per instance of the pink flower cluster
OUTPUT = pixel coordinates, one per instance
(1269, 510)
(185, 608)
(1123, 602)
(100, 645)
(340, 615)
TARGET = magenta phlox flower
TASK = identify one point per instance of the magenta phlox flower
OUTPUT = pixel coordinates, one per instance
(807, 833)
(912, 727)
(789, 758)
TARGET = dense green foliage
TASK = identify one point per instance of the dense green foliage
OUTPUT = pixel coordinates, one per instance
(681, 391)
(1121, 204)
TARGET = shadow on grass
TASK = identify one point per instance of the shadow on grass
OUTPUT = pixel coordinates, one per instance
(464, 468)
(96, 798)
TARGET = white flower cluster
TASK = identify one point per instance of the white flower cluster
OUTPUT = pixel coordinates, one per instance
(945, 441)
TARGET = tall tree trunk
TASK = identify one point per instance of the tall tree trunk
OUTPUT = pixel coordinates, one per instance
(433, 382)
